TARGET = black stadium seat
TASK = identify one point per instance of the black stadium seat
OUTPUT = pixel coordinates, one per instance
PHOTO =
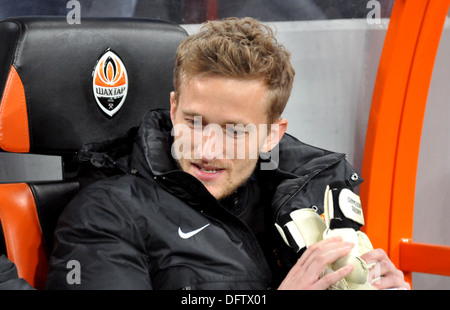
(61, 86)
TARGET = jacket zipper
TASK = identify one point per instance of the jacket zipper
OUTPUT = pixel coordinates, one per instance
(212, 209)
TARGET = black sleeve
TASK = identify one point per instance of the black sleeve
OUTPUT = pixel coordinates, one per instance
(98, 246)
(9, 280)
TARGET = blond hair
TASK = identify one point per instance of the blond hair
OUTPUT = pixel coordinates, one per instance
(238, 48)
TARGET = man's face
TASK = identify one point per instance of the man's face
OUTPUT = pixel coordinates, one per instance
(220, 126)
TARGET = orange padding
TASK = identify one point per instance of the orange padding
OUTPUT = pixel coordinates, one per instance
(23, 234)
(14, 133)
(426, 258)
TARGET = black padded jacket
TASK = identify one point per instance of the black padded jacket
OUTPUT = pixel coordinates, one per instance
(145, 224)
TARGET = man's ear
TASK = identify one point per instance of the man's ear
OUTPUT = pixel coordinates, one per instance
(173, 106)
(276, 132)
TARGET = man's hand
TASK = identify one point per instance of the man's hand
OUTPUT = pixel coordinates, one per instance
(384, 275)
(307, 272)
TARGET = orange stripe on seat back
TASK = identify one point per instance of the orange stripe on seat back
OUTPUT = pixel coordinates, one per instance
(14, 133)
(23, 234)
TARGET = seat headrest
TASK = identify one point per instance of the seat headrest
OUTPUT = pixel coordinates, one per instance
(63, 85)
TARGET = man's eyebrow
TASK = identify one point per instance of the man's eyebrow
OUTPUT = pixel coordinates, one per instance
(235, 122)
(188, 113)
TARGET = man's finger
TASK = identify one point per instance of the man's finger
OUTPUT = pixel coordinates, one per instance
(326, 255)
(317, 247)
(326, 281)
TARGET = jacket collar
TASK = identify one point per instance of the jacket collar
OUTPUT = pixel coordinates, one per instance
(151, 154)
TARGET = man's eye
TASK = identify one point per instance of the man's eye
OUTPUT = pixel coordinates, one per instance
(193, 122)
(235, 133)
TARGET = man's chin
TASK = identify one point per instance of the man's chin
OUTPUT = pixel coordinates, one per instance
(215, 191)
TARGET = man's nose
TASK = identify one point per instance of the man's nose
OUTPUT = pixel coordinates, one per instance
(211, 146)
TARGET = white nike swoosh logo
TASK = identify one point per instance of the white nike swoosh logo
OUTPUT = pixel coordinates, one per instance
(191, 233)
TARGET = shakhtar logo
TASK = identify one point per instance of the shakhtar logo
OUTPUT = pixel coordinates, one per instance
(110, 83)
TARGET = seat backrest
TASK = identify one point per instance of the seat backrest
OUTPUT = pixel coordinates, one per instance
(51, 101)
(28, 216)
(64, 85)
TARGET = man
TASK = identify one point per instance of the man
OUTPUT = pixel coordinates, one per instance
(193, 206)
